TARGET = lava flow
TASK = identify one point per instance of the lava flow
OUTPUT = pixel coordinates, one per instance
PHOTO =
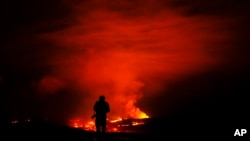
(113, 125)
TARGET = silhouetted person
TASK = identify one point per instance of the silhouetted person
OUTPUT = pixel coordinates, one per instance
(101, 109)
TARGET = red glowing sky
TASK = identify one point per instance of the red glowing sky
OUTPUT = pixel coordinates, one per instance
(111, 54)
(125, 50)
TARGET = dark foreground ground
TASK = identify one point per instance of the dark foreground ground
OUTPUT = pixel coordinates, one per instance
(154, 129)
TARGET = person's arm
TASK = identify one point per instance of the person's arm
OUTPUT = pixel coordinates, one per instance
(93, 116)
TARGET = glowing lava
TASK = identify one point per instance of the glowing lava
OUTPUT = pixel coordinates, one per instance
(115, 125)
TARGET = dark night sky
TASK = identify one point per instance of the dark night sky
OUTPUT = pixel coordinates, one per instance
(179, 57)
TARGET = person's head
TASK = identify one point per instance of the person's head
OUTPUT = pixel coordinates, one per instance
(102, 98)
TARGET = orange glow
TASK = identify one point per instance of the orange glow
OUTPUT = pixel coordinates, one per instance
(143, 115)
(114, 125)
(76, 123)
(114, 129)
(105, 51)
(116, 120)
(90, 126)
(80, 123)
(135, 112)
(137, 123)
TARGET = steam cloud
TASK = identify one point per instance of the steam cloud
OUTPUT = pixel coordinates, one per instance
(75, 51)
(111, 48)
